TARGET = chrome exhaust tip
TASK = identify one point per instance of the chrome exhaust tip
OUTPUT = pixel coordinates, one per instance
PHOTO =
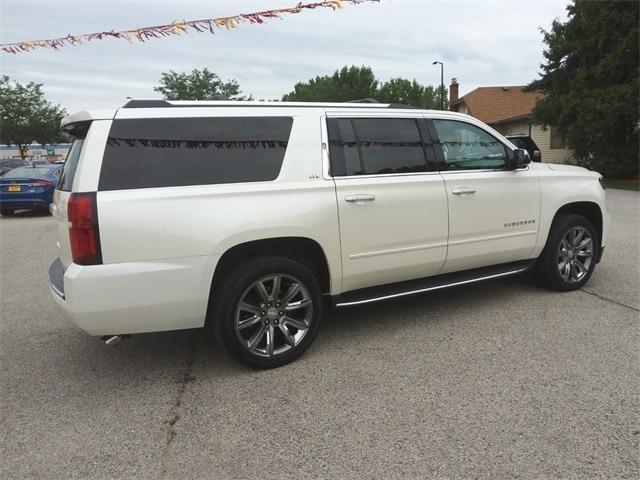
(112, 340)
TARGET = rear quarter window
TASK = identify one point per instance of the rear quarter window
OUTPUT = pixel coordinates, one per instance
(79, 132)
(164, 152)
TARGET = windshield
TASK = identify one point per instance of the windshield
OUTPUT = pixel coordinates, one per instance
(27, 172)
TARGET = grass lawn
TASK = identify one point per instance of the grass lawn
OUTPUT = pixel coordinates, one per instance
(623, 184)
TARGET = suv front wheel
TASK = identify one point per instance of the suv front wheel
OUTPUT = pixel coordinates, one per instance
(569, 257)
(267, 311)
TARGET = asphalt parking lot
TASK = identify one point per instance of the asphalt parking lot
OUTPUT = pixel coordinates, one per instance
(497, 380)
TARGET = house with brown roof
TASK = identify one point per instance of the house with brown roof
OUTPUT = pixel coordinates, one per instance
(508, 110)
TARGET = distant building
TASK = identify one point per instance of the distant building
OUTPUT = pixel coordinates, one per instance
(508, 110)
(51, 153)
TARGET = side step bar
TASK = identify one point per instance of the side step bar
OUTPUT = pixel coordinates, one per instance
(113, 340)
(421, 285)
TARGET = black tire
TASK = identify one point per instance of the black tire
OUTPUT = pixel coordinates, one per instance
(238, 285)
(6, 212)
(548, 267)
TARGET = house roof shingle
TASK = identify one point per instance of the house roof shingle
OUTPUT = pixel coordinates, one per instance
(497, 104)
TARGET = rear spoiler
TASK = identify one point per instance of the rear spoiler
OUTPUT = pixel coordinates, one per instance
(87, 116)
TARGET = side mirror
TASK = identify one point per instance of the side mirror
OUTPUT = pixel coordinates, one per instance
(520, 158)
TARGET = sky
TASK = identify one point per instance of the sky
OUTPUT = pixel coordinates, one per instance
(481, 43)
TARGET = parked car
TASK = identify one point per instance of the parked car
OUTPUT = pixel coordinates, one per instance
(7, 164)
(251, 218)
(526, 142)
(28, 188)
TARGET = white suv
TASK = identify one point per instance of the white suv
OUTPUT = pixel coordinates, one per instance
(251, 218)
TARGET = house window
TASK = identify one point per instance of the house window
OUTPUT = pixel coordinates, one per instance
(557, 140)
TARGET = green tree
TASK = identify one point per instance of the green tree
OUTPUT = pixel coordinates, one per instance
(591, 82)
(441, 90)
(354, 83)
(409, 92)
(26, 116)
(348, 83)
(197, 85)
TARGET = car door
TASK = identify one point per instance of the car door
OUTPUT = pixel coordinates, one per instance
(392, 209)
(493, 212)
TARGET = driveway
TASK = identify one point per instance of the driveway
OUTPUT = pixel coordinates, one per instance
(496, 380)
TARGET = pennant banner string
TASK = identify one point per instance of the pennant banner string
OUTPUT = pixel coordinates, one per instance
(144, 34)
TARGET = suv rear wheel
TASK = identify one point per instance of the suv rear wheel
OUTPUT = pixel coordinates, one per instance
(267, 311)
(569, 257)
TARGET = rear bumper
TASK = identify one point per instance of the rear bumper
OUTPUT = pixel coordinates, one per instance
(25, 200)
(23, 205)
(134, 297)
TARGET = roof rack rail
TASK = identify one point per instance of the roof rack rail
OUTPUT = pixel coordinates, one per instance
(364, 100)
(401, 105)
(159, 103)
(146, 104)
(218, 96)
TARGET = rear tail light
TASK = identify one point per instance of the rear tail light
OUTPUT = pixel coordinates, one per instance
(42, 183)
(536, 155)
(82, 213)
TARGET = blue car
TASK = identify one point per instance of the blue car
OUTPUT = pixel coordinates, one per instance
(28, 188)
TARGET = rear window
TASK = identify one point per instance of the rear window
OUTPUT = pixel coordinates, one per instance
(164, 152)
(27, 172)
(523, 142)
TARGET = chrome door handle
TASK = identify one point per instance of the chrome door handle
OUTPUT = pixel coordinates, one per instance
(463, 191)
(365, 197)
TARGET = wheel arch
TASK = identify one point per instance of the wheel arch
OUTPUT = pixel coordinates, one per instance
(589, 210)
(302, 249)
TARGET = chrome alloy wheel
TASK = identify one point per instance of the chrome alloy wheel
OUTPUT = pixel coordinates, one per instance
(273, 315)
(575, 254)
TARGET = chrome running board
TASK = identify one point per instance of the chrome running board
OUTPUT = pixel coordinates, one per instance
(429, 284)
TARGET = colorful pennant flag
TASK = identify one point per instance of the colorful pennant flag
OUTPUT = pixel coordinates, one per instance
(175, 28)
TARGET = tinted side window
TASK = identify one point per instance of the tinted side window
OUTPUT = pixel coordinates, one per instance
(79, 133)
(389, 145)
(162, 152)
(343, 148)
(467, 147)
(370, 146)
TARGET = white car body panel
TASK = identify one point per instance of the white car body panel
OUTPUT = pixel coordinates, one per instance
(380, 246)
(497, 223)
(160, 246)
(562, 186)
(137, 297)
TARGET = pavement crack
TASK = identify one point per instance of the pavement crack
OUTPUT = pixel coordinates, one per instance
(45, 232)
(610, 300)
(174, 411)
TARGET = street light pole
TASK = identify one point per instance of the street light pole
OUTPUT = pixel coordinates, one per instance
(441, 83)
